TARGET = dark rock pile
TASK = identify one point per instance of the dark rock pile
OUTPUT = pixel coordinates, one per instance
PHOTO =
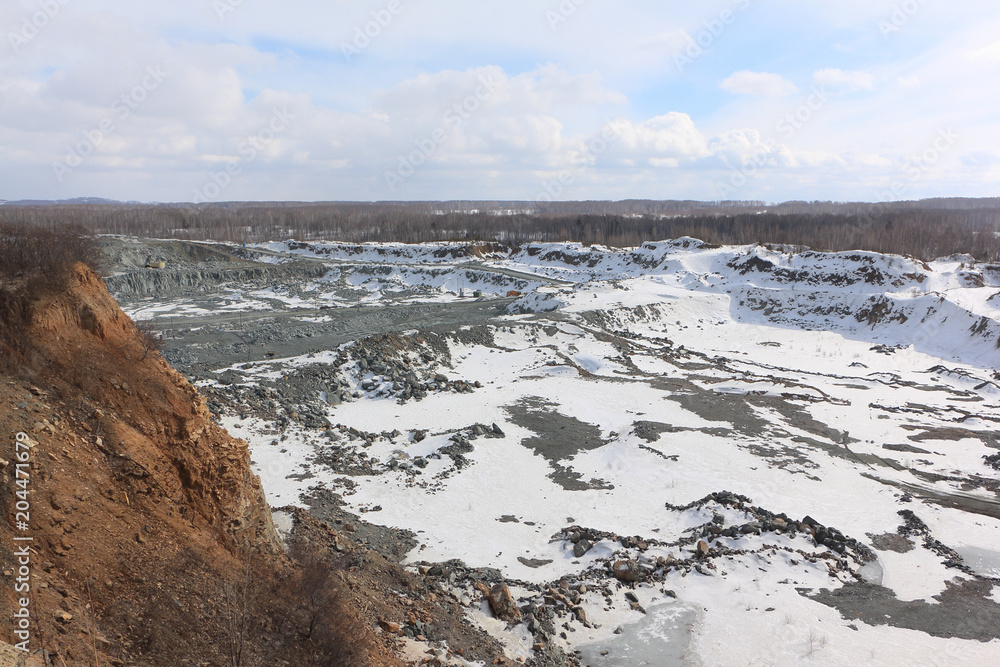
(763, 521)
(402, 367)
(913, 526)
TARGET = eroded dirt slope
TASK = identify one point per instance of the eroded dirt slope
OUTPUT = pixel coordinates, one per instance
(141, 508)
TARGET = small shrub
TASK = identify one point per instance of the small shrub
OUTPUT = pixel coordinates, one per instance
(326, 622)
(43, 257)
(34, 262)
(150, 338)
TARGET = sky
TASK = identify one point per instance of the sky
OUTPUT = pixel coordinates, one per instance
(310, 100)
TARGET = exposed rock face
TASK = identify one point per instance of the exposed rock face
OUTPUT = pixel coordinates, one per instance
(157, 421)
(138, 500)
(159, 282)
(150, 414)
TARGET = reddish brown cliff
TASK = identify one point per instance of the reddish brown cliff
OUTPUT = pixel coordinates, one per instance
(150, 532)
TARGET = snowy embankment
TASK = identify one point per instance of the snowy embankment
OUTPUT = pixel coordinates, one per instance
(395, 253)
(949, 308)
(847, 400)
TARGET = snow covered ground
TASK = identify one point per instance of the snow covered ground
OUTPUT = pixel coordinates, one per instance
(857, 390)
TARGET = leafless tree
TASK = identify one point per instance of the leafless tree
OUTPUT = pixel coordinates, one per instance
(924, 229)
(150, 338)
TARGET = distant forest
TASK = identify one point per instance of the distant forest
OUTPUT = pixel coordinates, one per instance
(925, 229)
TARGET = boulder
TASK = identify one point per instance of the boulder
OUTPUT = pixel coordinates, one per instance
(502, 603)
(582, 547)
(702, 548)
(626, 571)
(389, 626)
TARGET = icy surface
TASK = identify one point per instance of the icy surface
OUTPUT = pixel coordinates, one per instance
(659, 640)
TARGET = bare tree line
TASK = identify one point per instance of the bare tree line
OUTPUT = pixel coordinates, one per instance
(926, 229)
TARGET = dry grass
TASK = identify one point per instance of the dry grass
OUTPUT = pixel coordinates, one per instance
(34, 262)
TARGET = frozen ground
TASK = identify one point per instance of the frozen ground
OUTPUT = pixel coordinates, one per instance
(848, 403)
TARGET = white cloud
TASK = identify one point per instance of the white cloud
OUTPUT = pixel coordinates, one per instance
(990, 54)
(738, 148)
(669, 136)
(668, 42)
(555, 92)
(423, 100)
(844, 81)
(762, 84)
(982, 159)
